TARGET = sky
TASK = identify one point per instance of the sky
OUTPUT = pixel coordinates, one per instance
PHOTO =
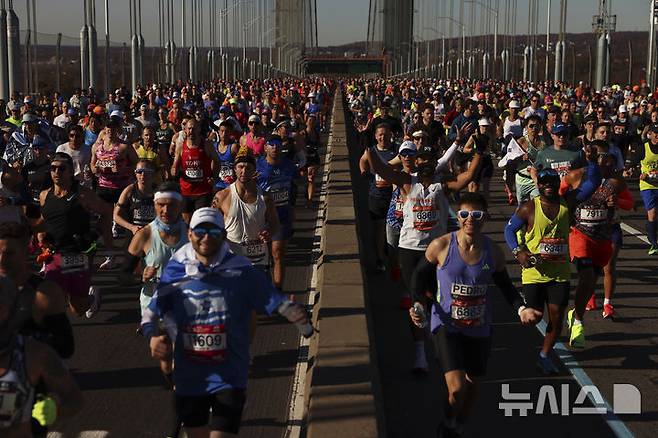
(339, 21)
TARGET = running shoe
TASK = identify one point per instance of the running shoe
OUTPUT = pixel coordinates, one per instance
(115, 230)
(405, 302)
(95, 302)
(107, 264)
(546, 367)
(591, 304)
(653, 250)
(608, 311)
(395, 274)
(576, 331)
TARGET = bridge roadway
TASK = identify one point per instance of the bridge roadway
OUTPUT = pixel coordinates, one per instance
(620, 351)
(122, 384)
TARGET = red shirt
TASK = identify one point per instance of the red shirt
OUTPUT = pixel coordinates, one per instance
(195, 171)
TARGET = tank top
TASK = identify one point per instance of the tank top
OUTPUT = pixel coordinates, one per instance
(195, 171)
(548, 238)
(379, 187)
(107, 160)
(141, 207)
(394, 214)
(649, 165)
(164, 136)
(244, 223)
(463, 298)
(16, 391)
(226, 172)
(255, 144)
(159, 254)
(425, 215)
(65, 218)
(593, 217)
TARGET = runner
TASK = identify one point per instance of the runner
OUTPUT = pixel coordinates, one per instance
(542, 251)
(250, 214)
(24, 364)
(425, 215)
(134, 209)
(380, 191)
(456, 270)
(208, 293)
(195, 161)
(646, 158)
(590, 244)
(253, 140)
(149, 149)
(275, 177)
(66, 219)
(531, 143)
(560, 156)
(226, 149)
(311, 140)
(80, 153)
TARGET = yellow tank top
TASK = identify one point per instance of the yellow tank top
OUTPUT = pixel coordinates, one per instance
(649, 166)
(549, 239)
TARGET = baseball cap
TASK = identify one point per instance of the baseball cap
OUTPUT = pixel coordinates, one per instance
(207, 215)
(72, 112)
(484, 122)
(623, 109)
(427, 150)
(29, 118)
(232, 101)
(514, 104)
(224, 109)
(253, 118)
(559, 128)
(654, 128)
(409, 146)
(419, 133)
(99, 110)
(274, 141)
(117, 113)
(282, 123)
(39, 142)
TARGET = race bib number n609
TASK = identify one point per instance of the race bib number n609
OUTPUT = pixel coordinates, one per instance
(206, 343)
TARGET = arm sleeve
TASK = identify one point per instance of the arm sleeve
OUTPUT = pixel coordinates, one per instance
(447, 156)
(592, 182)
(511, 294)
(423, 280)
(513, 225)
(625, 200)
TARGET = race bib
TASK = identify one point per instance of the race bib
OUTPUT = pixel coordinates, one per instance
(106, 164)
(74, 263)
(280, 198)
(8, 403)
(593, 214)
(226, 174)
(399, 205)
(562, 167)
(145, 212)
(194, 173)
(254, 249)
(205, 343)
(425, 217)
(468, 304)
(381, 182)
(553, 249)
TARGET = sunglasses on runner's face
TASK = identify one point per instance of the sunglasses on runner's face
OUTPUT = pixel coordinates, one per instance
(143, 170)
(477, 215)
(407, 154)
(200, 232)
(548, 176)
(533, 126)
(55, 168)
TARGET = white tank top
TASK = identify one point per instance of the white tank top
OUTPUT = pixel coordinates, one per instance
(424, 215)
(243, 224)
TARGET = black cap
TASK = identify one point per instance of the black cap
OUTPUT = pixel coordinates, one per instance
(654, 128)
(426, 150)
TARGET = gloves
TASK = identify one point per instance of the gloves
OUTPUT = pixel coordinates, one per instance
(45, 411)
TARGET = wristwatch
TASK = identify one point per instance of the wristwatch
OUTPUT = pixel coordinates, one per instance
(517, 250)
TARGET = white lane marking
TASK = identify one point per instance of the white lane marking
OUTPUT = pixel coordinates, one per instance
(581, 377)
(297, 407)
(635, 233)
(83, 434)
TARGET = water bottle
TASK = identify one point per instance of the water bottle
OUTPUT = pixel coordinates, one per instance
(305, 328)
(420, 312)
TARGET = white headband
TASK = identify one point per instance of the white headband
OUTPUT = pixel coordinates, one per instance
(168, 195)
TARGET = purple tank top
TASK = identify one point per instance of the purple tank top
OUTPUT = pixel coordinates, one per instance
(463, 301)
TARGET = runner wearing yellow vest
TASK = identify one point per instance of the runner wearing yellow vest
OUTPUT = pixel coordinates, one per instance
(647, 157)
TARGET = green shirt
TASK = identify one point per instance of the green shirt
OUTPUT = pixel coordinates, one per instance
(562, 160)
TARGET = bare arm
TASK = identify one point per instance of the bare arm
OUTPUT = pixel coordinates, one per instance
(271, 216)
(120, 209)
(386, 171)
(464, 178)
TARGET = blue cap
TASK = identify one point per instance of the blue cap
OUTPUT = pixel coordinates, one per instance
(559, 128)
(224, 109)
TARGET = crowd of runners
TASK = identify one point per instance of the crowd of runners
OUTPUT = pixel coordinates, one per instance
(430, 148)
(188, 191)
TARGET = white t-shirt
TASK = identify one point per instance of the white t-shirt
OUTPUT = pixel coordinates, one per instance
(81, 157)
(515, 128)
(62, 120)
(528, 111)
